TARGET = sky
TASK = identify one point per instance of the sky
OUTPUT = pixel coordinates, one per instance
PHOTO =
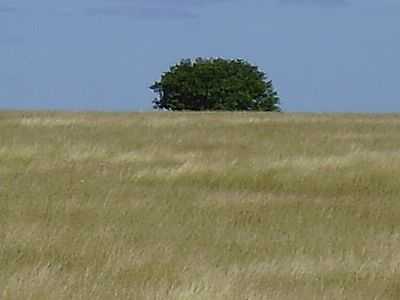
(102, 55)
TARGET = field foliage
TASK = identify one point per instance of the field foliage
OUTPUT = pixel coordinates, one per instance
(199, 206)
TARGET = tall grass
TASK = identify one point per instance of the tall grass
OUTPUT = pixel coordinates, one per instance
(199, 206)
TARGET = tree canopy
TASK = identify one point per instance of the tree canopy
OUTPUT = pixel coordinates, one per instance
(215, 84)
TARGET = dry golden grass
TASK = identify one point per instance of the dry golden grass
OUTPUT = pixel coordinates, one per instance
(199, 206)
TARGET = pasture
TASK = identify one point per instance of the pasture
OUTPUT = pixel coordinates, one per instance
(190, 206)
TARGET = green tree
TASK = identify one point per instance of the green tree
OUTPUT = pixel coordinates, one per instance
(215, 84)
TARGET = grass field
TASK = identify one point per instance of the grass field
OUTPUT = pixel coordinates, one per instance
(199, 206)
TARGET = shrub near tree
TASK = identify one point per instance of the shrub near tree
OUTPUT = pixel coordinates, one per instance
(215, 84)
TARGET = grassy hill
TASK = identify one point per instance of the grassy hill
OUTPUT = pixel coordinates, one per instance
(199, 206)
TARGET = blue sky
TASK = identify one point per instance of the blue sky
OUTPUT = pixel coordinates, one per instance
(322, 55)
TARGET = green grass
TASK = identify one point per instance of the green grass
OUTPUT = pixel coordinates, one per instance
(199, 206)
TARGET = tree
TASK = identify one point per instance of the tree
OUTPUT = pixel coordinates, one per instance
(215, 84)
